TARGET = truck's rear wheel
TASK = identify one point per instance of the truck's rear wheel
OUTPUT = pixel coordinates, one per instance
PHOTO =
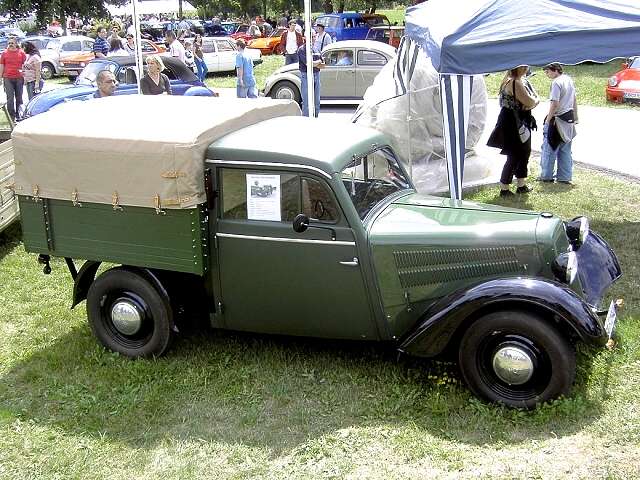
(516, 358)
(128, 315)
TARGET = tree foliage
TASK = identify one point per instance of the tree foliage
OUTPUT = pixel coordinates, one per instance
(208, 8)
(47, 9)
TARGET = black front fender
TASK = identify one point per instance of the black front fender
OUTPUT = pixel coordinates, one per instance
(447, 317)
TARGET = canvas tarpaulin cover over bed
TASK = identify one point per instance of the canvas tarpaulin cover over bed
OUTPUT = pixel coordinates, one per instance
(481, 36)
(135, 150)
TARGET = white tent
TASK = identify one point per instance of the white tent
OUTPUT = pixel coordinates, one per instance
(145, 7)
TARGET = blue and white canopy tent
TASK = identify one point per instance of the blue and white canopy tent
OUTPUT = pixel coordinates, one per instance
(480, 36)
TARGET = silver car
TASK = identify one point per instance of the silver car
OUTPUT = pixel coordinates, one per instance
(350, 67)
(52, 50)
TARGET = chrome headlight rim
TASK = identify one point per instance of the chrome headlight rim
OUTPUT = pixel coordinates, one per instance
(613, 81)
(565, 267)
(577, 231)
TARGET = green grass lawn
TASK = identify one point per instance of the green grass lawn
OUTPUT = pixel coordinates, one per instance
(240, 406)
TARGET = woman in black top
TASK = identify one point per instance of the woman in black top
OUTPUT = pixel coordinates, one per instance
(517, 99)
(155, 82)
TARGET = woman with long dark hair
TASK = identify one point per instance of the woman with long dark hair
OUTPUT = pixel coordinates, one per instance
(512, 133)
(31, 70)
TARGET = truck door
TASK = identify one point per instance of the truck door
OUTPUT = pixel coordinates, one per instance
(275, 280)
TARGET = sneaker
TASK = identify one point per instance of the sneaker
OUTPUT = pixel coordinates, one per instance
(523, 189)
(566, 182)
(506, 193)
(546, 180)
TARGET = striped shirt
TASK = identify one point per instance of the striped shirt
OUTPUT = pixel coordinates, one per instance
(101, 46)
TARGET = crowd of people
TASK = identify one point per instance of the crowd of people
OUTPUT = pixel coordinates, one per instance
(512, 133)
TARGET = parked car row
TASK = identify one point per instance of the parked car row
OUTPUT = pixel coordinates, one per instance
(72, 65)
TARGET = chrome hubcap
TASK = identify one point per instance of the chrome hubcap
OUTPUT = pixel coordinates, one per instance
(513, 365)
(126, 317)
(285, 94)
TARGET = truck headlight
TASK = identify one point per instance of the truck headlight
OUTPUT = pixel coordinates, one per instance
(577, 231)
(613, 81)
(565, 267)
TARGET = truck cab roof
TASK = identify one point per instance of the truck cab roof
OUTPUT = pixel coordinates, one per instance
(317, 143)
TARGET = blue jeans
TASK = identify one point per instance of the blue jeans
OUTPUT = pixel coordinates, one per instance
(246, 92)
(316, 93)
(290, 58)
(31, 86)
(548, 158)
(13, 87)
(202, 68)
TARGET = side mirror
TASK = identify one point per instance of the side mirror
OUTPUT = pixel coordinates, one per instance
(625, 65)
(300, 223)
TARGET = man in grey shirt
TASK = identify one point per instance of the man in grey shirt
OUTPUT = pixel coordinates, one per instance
(559, 127)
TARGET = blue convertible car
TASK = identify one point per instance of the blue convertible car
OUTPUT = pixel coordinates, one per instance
(183, 82)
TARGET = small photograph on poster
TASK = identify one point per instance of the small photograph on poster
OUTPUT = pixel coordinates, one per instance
(263, 197)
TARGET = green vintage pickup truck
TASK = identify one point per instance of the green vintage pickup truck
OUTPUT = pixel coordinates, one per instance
(248, 215)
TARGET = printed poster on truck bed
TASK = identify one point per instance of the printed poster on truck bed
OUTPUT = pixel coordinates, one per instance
(263, 197)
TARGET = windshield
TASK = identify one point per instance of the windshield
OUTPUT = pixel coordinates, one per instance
(635, 63)
(372, 178)
(376, 20)
(229, 27)
(90, 72)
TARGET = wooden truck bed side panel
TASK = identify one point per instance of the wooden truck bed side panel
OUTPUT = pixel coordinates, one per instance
(8, 201)
(175, 240)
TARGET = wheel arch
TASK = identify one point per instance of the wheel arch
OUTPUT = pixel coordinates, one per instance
(442, 325)
(84, 279)
(290, 77)
(87, 275)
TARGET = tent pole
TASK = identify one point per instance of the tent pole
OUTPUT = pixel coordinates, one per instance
(309, 52)
(139, 64)
(407, 73)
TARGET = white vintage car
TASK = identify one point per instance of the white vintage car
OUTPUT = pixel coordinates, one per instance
(220, 54)
(350, 67)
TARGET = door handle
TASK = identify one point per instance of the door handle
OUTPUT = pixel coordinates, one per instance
(352, 263)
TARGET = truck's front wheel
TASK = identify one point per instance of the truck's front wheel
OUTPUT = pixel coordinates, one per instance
(516, 358)
(128, 315)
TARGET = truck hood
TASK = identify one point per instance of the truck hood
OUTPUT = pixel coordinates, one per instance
(420, 219)
(441, 202)
(426, 247)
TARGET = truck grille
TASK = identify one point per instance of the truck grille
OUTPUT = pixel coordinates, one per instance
(427, 267)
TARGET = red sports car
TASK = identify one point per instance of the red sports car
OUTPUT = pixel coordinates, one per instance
(624, 86)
